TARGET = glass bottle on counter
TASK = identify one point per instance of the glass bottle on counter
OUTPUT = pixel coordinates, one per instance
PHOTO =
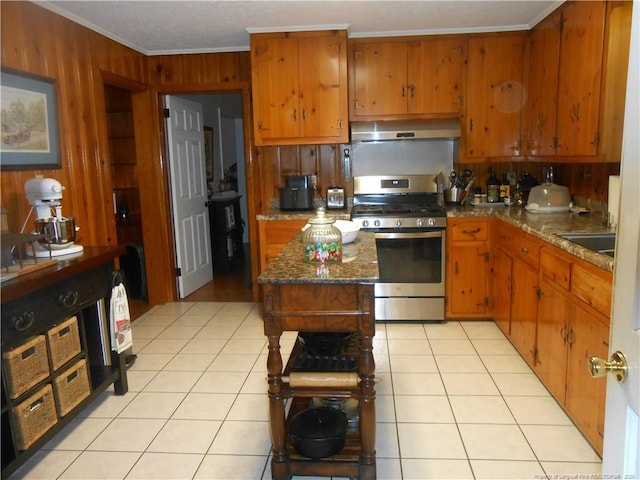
(493, 188)
(321, 241)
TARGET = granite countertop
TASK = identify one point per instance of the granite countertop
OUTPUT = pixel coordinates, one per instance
(290, 267)
(359, 264)
(277, 214)
(545, 226)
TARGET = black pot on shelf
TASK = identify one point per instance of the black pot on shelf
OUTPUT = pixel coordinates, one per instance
(324, 343)
(318, 432)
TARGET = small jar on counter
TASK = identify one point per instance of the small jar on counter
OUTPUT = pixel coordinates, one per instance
(321, 241)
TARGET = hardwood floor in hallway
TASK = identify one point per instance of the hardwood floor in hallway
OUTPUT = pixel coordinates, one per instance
(231, 286)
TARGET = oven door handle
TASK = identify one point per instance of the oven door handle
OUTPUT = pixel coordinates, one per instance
(392, 235)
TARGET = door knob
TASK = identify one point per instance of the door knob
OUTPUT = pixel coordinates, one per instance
(618, 365)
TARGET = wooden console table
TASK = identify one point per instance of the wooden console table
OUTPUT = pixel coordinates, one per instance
(77, 285)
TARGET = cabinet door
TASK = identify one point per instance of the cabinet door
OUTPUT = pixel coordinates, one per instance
(495, 96)
(273, 236)
(501, 290)
(380, 78)
(580, 77)
(434, 76)
(553, 328)
(322, 91)
(544, 53)
(274, 68)
(524, 308)
(467, 279)
(586, 396)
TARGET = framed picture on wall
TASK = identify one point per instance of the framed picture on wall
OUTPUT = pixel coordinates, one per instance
(208, 152)
(29, 134)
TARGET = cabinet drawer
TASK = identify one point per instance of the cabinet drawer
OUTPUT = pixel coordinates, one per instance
(527, 249)
(592, 286)
(34, 313)
(469, 231)
(504, 237)
(555, 268)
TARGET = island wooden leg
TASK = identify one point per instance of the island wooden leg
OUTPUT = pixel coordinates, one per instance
(367, 410)
(277, 422)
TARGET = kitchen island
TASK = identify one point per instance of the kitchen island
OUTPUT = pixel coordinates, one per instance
(338, 297)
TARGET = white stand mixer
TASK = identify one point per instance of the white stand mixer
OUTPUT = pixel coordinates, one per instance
(45, 194)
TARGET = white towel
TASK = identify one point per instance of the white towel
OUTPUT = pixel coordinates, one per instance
(121, 335)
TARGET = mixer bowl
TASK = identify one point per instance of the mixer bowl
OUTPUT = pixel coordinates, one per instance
(57, 231)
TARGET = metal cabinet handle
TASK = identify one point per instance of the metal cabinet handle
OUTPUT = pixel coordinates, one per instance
(68, 299)
(23, 321)
(471, 232)
(524, 250)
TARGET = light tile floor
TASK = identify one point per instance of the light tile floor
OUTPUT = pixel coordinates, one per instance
(456, 401)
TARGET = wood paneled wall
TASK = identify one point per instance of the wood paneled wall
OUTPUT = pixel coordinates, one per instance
(39, 42)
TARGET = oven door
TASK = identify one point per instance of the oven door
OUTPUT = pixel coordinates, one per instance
(411, 268)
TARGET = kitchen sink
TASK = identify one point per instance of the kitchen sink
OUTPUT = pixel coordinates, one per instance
(603, 242)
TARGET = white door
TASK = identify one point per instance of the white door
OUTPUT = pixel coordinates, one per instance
(185, 139)
(621, 456)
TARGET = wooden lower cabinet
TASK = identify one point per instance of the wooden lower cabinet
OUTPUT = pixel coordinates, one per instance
(274, 235)
(585, 401)
(524, 309)
(501, 286)
(570, 330)
(551, 340)
(467, 289)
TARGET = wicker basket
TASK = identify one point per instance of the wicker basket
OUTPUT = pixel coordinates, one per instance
(33, 417)
(25, 366)
(64, 342)
(71, 387)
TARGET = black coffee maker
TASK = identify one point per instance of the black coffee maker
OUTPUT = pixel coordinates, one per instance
(297, 193)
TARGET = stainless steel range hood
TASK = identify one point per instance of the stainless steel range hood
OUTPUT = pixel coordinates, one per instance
(405, 130)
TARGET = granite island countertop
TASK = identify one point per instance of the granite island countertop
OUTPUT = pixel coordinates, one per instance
(359, 264)
(277, 214)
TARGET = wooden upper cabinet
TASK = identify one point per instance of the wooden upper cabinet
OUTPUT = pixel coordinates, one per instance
(396, 78)
(495, 96)
(542, 102)
(574, 70)
(580, 74)
(299, 86)
(380, 79)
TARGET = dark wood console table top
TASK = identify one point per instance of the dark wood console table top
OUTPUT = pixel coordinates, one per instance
(66, 267)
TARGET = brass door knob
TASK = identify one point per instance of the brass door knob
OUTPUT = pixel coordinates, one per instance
(617, 365)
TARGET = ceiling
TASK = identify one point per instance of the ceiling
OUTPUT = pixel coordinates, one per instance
(159, 27)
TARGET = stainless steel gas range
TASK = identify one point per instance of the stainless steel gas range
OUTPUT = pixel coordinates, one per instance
(409, 225)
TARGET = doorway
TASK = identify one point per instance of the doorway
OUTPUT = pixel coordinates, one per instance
(126, 193)
(223, 114)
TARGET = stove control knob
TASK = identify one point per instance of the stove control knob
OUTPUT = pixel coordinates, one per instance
(376, 223)
(398, 222)
(365, 223)
(419, 222)
(431, 222)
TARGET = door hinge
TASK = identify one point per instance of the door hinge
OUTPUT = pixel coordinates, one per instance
(178, 272)
(165, 112)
